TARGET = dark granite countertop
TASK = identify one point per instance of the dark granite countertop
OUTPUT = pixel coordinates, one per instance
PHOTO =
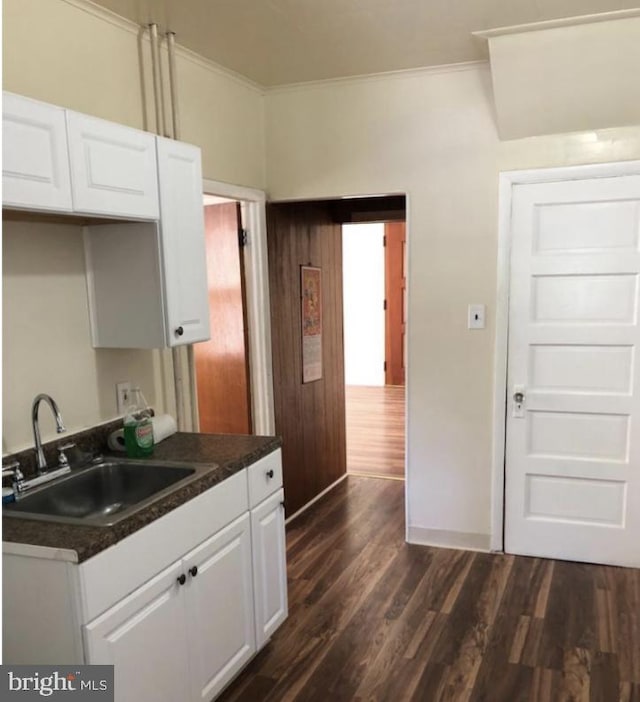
(228, 454)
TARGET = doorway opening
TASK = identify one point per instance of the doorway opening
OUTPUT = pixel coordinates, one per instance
(374, 298)
(230, 374)
(305, 250)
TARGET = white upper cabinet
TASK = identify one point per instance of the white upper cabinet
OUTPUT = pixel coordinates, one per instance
(35, 162)
(146, 277)
(147, 286)
(183, 242)
(113, 168)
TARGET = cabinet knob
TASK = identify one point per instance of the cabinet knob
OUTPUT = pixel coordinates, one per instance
(179, 331)
(194, 571)
(182, 579)
(270, 473)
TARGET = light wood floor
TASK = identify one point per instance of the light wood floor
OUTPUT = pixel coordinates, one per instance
(375, 430)
(375, 619)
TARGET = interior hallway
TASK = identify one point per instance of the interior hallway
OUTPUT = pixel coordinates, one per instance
(375, 430)
(373, 618)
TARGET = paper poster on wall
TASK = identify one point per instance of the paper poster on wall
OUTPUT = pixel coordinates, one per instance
(311, 297)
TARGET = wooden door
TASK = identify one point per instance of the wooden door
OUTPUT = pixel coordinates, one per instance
(395, 302)
(221, 363)
(219, 605)
(144, 637)
(573, 436)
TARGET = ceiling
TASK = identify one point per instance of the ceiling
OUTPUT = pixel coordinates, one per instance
(276, 42)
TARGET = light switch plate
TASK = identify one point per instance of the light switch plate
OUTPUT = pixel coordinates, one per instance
(476, 316)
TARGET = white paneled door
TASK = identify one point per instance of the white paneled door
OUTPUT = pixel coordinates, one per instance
(573, 391)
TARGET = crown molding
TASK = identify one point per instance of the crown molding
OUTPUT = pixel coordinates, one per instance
(385, 75)
(558, 23)
(135, 29)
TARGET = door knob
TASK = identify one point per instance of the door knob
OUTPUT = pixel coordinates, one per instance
(518, 401)
(182, 579)
(193, 571)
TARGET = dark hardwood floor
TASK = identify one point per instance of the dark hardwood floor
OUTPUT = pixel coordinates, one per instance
(372, 618)
(375, 430)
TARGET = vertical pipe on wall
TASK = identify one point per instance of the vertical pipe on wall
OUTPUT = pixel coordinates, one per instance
(175, 120)
(171, 47)
(158, 100)
(155, 69)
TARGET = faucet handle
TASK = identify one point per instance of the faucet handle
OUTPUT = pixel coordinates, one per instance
(13, 468)
(63, 461)
(10, 468)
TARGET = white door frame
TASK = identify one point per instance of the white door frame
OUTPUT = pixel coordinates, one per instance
(508, 179)
(257, 294)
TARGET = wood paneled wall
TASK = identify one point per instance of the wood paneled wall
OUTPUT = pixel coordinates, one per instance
(310, 417)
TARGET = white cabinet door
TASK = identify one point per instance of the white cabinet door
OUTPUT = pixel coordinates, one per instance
(144, 637)
(183, 243)
(219, 597)
(269, 566)
(35, 162)
(113, 168)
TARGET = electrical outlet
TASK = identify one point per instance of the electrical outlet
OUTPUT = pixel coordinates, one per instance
(123, 391)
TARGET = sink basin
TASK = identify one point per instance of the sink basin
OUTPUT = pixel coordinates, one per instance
(102, 494)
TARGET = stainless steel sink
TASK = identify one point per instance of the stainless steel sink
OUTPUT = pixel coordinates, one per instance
(102, 494)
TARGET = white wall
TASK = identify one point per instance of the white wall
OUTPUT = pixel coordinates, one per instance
(432, 135)
(77, 56)
(363, 295)
(46, 337)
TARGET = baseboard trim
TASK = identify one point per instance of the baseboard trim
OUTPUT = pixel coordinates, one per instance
(304, 508)
(445, 538)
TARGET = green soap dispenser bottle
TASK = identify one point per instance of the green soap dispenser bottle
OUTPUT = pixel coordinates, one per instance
(138, 429)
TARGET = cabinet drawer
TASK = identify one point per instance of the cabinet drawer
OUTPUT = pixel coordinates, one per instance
(265, 477)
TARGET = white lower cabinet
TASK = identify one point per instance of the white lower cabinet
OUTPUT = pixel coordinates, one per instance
(219, 609)
(143, 636)
(178, 607)
(187, 632)
(269, 566)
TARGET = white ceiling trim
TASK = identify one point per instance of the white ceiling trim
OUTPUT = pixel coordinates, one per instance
(555, 23)
(126, 25)
(385, 75)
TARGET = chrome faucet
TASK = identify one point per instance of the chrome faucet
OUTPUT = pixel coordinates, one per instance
(41, 461)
